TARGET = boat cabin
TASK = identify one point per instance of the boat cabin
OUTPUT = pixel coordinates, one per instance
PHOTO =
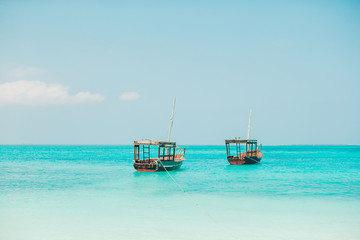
(153, 155)
(240, 151)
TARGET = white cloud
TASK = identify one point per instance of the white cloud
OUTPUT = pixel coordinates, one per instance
(129, 96)
(40, 93)
(89, 97)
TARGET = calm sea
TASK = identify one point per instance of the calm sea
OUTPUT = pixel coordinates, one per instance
(93, 192)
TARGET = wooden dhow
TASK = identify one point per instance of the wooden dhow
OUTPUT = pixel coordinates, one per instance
(244, 151)
(239, 151)
(154, 155)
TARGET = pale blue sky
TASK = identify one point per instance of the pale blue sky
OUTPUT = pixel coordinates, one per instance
(295, 63)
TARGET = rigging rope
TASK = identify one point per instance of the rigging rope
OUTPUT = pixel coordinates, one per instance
(196, 203)
(189, 196)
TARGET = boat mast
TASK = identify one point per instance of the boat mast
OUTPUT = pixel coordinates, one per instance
(248, 136)
(171, 119)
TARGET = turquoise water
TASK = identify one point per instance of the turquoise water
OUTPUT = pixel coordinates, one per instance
(93, 192)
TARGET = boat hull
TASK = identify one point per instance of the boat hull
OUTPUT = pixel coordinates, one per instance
(246, 160)
(170, 165)
(158, 166)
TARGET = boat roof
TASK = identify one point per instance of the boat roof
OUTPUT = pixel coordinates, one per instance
(154, 142)
(240, 141)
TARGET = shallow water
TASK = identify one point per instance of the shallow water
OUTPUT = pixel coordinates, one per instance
(93, 192)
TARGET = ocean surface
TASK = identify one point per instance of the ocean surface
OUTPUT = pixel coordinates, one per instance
(93, 192)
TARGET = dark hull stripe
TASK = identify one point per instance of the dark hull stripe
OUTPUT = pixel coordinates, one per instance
(246, 160)
(169, 165)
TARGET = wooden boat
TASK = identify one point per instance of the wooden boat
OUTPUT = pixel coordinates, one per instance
(153, 155)
(246, 151)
